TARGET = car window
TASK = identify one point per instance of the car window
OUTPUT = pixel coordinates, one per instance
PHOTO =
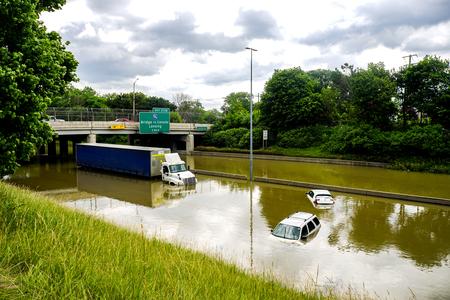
(292, 233)
(304, 232)
(316, 221)
(280, 230)
(311, 226)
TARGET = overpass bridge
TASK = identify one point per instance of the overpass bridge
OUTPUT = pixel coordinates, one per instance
(78, 131)
(75, 125)
(112, 127)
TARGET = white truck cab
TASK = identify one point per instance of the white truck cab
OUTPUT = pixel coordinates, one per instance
(174, 171)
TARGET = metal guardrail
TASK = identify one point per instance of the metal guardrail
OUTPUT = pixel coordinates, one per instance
(92, 114)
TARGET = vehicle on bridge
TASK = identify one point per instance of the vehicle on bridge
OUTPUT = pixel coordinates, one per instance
(122, 120)
(54, 119)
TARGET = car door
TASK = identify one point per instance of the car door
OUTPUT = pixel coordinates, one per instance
(311, 226)
(304, 234)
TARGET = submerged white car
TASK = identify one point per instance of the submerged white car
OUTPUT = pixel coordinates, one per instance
(298, 226)
(321, 199)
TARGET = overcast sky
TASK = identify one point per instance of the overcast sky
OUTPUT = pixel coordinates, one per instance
(198, 47)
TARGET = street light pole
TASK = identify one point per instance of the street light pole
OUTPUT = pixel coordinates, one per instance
(251, 111)
(134, 98)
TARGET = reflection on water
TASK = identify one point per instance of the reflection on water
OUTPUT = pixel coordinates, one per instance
(145, 192)
(47, 175)
(386, 245)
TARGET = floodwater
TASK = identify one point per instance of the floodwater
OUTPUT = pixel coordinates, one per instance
(381, 179)
(381, 247)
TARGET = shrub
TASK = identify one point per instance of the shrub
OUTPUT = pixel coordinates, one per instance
(431, 141)
(360, 139)
(303, 137)
(244, 142)
(230, 138)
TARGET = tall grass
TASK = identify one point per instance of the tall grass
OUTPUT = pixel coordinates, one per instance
(48, 251)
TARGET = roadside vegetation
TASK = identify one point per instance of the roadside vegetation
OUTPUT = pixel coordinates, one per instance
(400, 117)
(50, 252)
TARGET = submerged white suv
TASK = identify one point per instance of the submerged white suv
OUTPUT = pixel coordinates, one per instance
(297, 226)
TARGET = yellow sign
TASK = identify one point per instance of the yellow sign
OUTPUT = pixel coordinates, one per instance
(118, 126)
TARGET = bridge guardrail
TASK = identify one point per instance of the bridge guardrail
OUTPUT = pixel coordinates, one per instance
(92, 114)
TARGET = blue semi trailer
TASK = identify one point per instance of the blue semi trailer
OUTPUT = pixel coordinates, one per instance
(135, 160)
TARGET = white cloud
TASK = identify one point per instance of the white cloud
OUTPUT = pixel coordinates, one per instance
(197, 47)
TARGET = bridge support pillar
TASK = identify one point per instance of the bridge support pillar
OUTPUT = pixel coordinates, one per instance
(63, 146)
(130, 139)
(189, 143)
(75, 141)
(52, 148)
(42, 150)
(92, 138)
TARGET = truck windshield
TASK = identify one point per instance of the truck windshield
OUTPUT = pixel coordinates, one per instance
(177, 168)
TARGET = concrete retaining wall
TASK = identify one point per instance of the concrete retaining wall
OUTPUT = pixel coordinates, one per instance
(356, 191)
(220, 174)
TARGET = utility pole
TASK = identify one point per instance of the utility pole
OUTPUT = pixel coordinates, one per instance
(134, 98)
(405, 96)
(410, 56)
(251, 111)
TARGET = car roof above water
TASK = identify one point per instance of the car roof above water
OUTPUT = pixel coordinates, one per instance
(297, 219)
(321, 192)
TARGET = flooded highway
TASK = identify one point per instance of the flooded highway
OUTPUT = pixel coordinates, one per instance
(372, 178)
(385, 248)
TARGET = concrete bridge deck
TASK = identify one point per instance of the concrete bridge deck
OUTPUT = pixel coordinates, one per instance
(111, 127)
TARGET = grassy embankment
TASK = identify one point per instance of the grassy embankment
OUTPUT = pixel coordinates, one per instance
(402, 163)
(48, 251)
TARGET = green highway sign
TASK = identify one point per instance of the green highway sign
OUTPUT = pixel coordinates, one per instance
(161, 109)
(201, 128)
(154, 121)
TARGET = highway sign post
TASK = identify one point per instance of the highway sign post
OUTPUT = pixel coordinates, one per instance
(265, 138)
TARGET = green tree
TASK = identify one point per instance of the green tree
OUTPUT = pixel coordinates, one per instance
(372, 93)
(34, 68)
(236, 101)
(211, 116)
(236, 111)
(291, 100)
(73, 97)
(125, 100)
(142, 101)
(191, 111)
(175, 117)
(325, 78)
(426, 87)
